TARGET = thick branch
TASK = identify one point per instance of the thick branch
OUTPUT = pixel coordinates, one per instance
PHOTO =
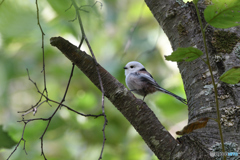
(136, 111)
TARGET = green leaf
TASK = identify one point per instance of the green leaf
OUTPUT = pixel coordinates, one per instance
(186, 54)
(5, 139)
(223, 13)
(231, 76)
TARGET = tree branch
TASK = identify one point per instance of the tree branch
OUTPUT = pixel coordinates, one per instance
(136, 111)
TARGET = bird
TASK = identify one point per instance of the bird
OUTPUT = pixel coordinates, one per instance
(141, 82)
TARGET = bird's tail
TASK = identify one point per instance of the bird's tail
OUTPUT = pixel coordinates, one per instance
(174, 95)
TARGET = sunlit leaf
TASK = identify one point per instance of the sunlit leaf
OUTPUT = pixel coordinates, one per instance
(185, 54)
(193, 126)
(231, 76)
(5, 139)
(223, 14)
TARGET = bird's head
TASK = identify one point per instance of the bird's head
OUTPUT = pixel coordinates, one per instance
(132, 67)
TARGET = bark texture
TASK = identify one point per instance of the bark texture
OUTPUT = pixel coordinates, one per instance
(180, 24)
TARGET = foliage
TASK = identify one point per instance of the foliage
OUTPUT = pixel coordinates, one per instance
(223, 14)
(118, 32)
(185, 54)
(231, 76)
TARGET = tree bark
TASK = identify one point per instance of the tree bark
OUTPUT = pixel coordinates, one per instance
(181, 25)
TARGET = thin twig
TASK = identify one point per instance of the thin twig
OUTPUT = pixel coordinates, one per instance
(46, 119)
(68, 8)
(34, 109)
(43, 53)
(50, 100)
(97, 69)
(44, 74)
(22, 139)
(50, 118)
(101, 5)
(44, 94)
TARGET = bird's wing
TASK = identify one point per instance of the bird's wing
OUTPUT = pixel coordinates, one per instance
(147, 77)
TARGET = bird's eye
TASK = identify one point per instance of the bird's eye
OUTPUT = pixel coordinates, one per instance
(131, 66)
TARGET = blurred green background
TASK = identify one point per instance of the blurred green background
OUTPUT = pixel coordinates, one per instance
(119, 32)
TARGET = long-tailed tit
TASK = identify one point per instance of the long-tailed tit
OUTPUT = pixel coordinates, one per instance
(141, 82)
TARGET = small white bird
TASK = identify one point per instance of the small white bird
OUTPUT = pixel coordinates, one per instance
(141, 82)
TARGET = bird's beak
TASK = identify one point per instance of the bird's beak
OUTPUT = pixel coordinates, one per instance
(124, 67)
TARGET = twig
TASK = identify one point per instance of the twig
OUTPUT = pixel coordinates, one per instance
(44, 94)
(50, 100)
(44, 73)
(84, 37)
(101, 5)
(22, 139)
(50, 118)
(34, 109)
(68, 8)
(44, 119)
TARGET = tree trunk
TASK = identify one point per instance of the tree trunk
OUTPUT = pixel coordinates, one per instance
(181, 25)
